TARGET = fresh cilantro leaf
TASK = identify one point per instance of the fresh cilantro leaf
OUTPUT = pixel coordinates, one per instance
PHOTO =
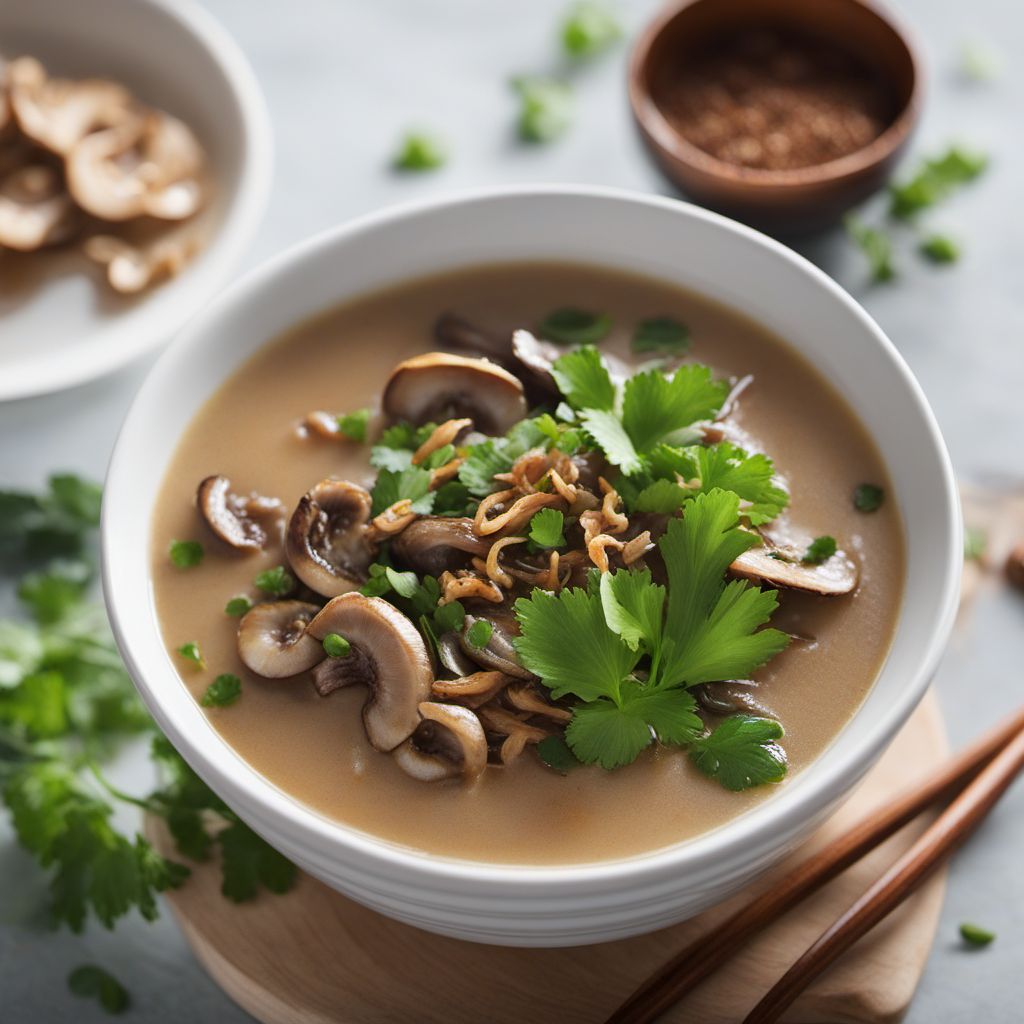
(661, 334)
(876, 246)
(605, 733)
(276, 582)
(336, 646)
(974, 935)
(57, 523)
(37, 707)
(939, 249)
(546, 108)
(377, 583)
(223, 691)
(608, 433)
(480, 633)
(935, 179)
(742, 752)
(79, 498)
(483, 461)
(412, 483)
(392, 459)
(546, 528)
(556, 754)
(868, 498)
(570, 326)
(439, 457)
(655, 406)
(590, 29)
(451, 499)
(405, 584)
(353, 424)
(238, 606)
(450, 617)
(420, 151)
(821, 549)
(186, 554)
(566, 642)
(50, 595)
(249, 862)
(583, 378)
(94, 982)
(633, 607)
(672, 714)
(730, 468)
(190, 652)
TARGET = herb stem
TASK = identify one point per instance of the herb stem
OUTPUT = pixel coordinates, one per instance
(117, 794)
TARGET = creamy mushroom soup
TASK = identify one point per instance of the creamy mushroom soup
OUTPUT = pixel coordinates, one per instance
(582, 605)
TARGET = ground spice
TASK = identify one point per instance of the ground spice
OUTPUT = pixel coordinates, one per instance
(775, 100)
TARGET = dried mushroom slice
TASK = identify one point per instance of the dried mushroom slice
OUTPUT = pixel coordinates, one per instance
(433, 544)
(449, 742)
(439, 386)
(133, 268)
(780, 567)
(391, 660)
(35, 209)
(326, 541)
(274, 641)
(238, 520)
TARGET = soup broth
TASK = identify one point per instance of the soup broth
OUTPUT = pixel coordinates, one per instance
(315, 748)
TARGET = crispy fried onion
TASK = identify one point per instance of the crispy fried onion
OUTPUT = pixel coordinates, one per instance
(516, 515)
(514, 727)
(392, 521)
(526, 698)
(463, 584)
(600, 526)
(443, 435)
(472, 690)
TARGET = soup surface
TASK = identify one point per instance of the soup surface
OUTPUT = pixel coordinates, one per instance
(315, 748)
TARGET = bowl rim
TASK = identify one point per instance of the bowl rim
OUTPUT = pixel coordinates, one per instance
(308, 826)
(244, 209)
(675, 144)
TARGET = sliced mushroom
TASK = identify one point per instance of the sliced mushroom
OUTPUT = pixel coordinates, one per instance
(731, 697)
(393, 663)
(238, 520)
(274, 639)
(538, 356)
(147, 166)
(433, 544)
(336, 673)
(781, 567)
(452, 660)
(498, 654)
(455, 334)
(527, 698)
(326, 541)
(133, 268)
(440, 386)
(35, 209)
(58, 113)
(473, 690)
(448, 742)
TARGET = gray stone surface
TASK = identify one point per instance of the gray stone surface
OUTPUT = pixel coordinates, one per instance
(343, 79)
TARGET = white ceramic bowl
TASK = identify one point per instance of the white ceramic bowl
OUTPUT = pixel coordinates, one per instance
(663, 238)
(59, 326)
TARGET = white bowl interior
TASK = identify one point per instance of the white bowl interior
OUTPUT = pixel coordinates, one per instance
(657, 237)
(175, 57)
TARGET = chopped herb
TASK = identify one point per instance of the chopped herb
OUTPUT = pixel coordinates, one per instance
(590, 29)
(479, 634)
(412, 483)
(353, 424)
(974, 935)
(821, 549)
(92, 982)
(584, 379)
(661, 334)
(421, 151)
(439, 457)
(935, 179)
(940, 249)
(186, 554)
(405, 584)
(276, 582)
(546, 108)
(975, 543)
(450, 617)
(337, 646)
(742, 752)
(546, 528)
(868, 497)
(190, 652)
(876, 246)
(555, 753)
(238, 606)
(222, 692)
(570, 326)
(377, 583)
(655, 406)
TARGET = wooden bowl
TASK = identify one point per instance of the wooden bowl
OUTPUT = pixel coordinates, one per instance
(779, 200)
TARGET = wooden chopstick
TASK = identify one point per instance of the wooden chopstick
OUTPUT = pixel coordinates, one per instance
(949, 831)
(705, 955)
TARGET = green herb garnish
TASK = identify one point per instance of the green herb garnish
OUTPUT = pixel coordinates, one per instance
(661, 334)
(940, 249)
(238, 606)
(190, 652)
(480, 633)
(405, 584)
(222, 692)
(935, 179)
(590, 29)
(94, 982)
(974, 935)
(186, 554)
(975, 543)
(572, 326)
(411, 483)
(742, 752)
(450, 617)
(868, 497)
(353, 424)
(546, 108)
(276, 582)
(420, 151)
(546, 528)
(821, 549)
(876, 246)
(555, 753)
(336, 646)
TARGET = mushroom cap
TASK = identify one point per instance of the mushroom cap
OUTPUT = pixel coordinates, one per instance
(326, 541)
(131, 268)
(35, 209)
(833, 577)
(440, 386)
(233, 518)
(499, 654)
(274, 639)
(58, 113)
(449, 741)
(394, 663)
(143, 166)
(432, 544)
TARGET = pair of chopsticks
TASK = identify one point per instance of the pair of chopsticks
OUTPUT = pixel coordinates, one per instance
(973, 781)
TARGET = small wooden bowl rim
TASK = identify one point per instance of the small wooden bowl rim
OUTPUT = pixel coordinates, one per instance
(672, 142)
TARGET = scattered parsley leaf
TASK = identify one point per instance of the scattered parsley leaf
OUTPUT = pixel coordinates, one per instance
(821, 549)
(556, 754)
(405, 584)
(412, 483)
(546, 108)
(974, 935)
(935, 179)
(590, 29)
(633, 607)
(480, 633)
(655, 406)
(94, 982)
(868, 497)
(605, 733)
(238, 606)
(392, 459)
(546, 528)
(222, 692)
(571, 326)
(186, 554)
(420, 151)
(609, 434)
(661, 334)
(876, 246)
(190, 652)
(248, 862)
(742, 752)
(276, 582)
(336, 646)
(730, 468)
(940, 249)
(450, 617)
(583, 378)
(353, 424)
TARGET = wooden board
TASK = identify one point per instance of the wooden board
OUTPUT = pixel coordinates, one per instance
(315, 957)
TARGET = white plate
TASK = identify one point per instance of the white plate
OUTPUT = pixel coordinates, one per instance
(59, 324)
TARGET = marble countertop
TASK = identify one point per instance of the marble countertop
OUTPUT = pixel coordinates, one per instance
(344, 79)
